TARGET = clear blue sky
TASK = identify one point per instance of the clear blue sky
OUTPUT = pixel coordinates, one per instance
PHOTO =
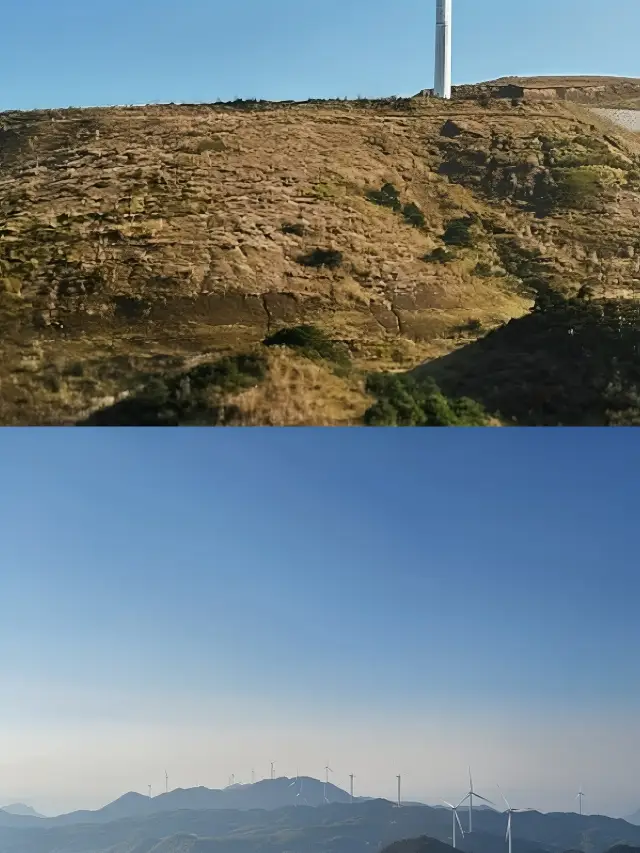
(323, 580)
(59, 53)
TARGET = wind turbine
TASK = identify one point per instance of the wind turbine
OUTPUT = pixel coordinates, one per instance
(399, 778)
(351, 778)
(327, 770)
(299, 794)
(442, 82)
(579, 796)
(470, 795)
(455, 819)
(510, 812)
(295, 782)
(272, 765)
(253, 776)
(166, 782)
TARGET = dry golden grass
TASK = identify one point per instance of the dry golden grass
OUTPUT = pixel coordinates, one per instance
(301, 392)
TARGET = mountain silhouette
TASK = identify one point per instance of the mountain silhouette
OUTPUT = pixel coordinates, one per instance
(267, 794)
(21, 809)
(339, 827)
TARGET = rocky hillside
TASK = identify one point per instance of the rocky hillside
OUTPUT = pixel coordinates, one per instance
(141, 247)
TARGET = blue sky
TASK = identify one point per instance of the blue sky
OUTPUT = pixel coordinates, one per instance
(59, 53)
(217, 599)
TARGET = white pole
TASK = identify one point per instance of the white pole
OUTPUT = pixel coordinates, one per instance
(442, 83)
(509, 832)
(453, 814)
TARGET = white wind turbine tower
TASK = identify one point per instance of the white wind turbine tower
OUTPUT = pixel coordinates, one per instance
(442, 82)
(455, 819)
(166, 782)
(399, 778)
(510, 812)
(327, 770)
(579, 797)
(272, 765)
(295, 782)
(351, 778)
(470, 795)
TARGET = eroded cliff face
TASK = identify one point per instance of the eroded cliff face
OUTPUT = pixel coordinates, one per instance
(134, 241)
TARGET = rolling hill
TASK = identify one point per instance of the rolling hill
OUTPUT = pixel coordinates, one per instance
(20, 809)
(339, 827)
(266, 794)
(146, 253)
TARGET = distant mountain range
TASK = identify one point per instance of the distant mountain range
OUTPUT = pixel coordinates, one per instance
(634, 818)
(253, 819)
(20, 809)
(266, 794)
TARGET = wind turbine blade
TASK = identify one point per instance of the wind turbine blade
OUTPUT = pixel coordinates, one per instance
(465, 798)
(462, 801)
(458, 819)
(451, 806)
(503, 797)
(483, 798)
(470, 780)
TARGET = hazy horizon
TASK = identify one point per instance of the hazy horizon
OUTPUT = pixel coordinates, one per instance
(386, 602)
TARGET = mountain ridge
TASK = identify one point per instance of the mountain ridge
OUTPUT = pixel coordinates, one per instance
(331, 828)
(20, 809)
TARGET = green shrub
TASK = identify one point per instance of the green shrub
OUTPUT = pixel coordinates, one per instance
(296, 228)
(194, 397)
(458, 232)
(413, 215)
(471, 326)
(329, 258)
(439, 255)
(311, 342)
(388, 196)
(483, 269)
(405, 401)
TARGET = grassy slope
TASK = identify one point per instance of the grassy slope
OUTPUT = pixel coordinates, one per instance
(136, 242)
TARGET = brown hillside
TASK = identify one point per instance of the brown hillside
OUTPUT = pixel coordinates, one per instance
(139, 241)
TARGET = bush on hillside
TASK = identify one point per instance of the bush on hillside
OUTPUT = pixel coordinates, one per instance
(388, 196)
(330, 258)
(413, 215)
(296, 228)
(405, 401)
(311, 342)
(192, 398)
(439, 256)
(483, 269)
(458, 232)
